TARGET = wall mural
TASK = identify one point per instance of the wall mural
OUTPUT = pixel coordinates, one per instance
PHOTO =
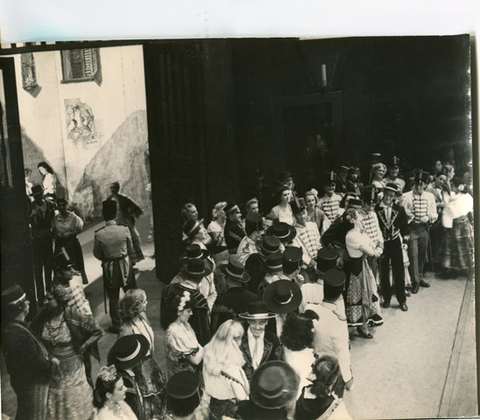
(82, 129)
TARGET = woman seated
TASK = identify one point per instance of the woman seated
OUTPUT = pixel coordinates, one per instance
(67, 333)
(150, 378)
(183, 352)
(225, 380)
(323, 398)
(109, 395)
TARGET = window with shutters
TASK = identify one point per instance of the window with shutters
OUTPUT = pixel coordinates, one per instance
(81, 65)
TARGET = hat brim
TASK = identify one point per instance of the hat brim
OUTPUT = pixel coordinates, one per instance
(288, 393)
(245, 278)
(208, 270)
(279, 308)
(144, 347)
(256, 317)
(184, 257)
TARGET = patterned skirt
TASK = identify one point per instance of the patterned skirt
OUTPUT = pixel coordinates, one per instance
(70, 396)
(457, 246)
(152, 388)
(363, 303)
(136, 254)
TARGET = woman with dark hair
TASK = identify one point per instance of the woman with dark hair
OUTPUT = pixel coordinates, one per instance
(49, 180)
(183, 352)
(66, 226)
(67, 333)
(363, 304)
(283, 211)
(323, 398)
(457, 220)
(150, 378)
(109, 395)
(297, 338)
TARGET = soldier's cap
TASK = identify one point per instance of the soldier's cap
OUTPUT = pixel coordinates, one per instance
(335, 277)
(292, 254)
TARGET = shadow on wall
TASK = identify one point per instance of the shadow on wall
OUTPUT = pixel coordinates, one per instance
(122, 159)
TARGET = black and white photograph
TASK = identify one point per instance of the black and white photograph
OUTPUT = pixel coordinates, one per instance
(250, 228)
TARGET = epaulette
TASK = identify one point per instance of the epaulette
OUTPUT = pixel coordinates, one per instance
(98, 230)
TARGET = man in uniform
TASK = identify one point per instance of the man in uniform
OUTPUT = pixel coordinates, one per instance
(330, 202)
(308, 236)
(254, 230)
(331, 331)
(112, 245)
(234, 232)
(421, 213)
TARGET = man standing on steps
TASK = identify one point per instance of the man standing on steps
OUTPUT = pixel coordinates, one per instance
(112, 245)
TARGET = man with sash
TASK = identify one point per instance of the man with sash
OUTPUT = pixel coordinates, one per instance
(112, 246)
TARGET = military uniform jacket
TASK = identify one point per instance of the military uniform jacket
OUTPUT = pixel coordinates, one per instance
(112, 242)
(397, 224)
(234, 234)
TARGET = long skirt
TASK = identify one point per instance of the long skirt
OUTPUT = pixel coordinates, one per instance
(74, 251)
(70, 396)
(31, 400)
(136, 254)
(152, 388)
(363, 303)
(457, 246)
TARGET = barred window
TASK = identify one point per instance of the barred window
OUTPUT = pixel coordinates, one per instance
(29, 77)
(81, 65)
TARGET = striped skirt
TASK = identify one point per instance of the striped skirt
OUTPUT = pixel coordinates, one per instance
(457, 245)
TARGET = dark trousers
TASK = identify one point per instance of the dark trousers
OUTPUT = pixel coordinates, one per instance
(392, 253)
(417, 250)
(113, 294)
(42, 250)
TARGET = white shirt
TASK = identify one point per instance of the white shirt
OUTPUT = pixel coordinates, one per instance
(311, 293)
(256, 356)
(246, 248)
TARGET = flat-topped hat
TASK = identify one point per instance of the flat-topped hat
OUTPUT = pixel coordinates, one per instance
(370, 194)
(62, 260)
(13, 295)
(330, 177)
(274, 262)
(231, 207)
(37, 190)
(292, 255)
(194, 251)
(354, 170)
(109, 206)
(420, 176)
(270, 244)
(394, 161)
(334, 277)
(354, 203)
(183, 385)
(273, 385)
(235, 271)
(128, 351)
(256, 310)
(254, 222)
(391, 187)
(282, 296)
(326, 259)
(191, 227)
(196, 268)
(283, 231)
(286, 175)
(298, 206)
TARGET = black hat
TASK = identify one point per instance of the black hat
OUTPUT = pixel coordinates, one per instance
(274, 262)
(391, 187)
(235, 271)
(326, 259)
(253, 222)
(128, 351)
(283, 231)
(292, 255)
(370, 194)
(354, 203)
(62, 200)
(282, 296)
(330, 177)
(286, 175)
(270, 244)
(273, 385)
(393, 161)
(109, 209)
(196, 268)
(62, 260)
(230, 207)
(344, 168)
(334, 277)
(183, 384)
(256, 310)
(191, 227)
(13, 295)
(354, 170)
(194, 251)
(420, 176)
(37, 190)
(298, 206)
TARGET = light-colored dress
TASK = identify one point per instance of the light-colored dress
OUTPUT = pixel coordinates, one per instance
(49, 185)
(124, 413)
(70, 395)
(301, 361)
(180, 343)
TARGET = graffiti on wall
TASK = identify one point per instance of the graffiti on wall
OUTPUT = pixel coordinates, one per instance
(82, 128)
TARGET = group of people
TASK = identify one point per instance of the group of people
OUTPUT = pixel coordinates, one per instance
(258, 317)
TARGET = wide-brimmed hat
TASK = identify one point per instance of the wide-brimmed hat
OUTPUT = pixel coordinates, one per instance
(196, 268)
(235, 271)
(326, 259)
(194, 251)
(13, 295)
(282, 296)
(256, 310)
(128, 351)
(273, 385)
(62, 260)
(191, 227)
(37, 190)
(283, 231)
(269, 245)
(183, 384)
(274, 263)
